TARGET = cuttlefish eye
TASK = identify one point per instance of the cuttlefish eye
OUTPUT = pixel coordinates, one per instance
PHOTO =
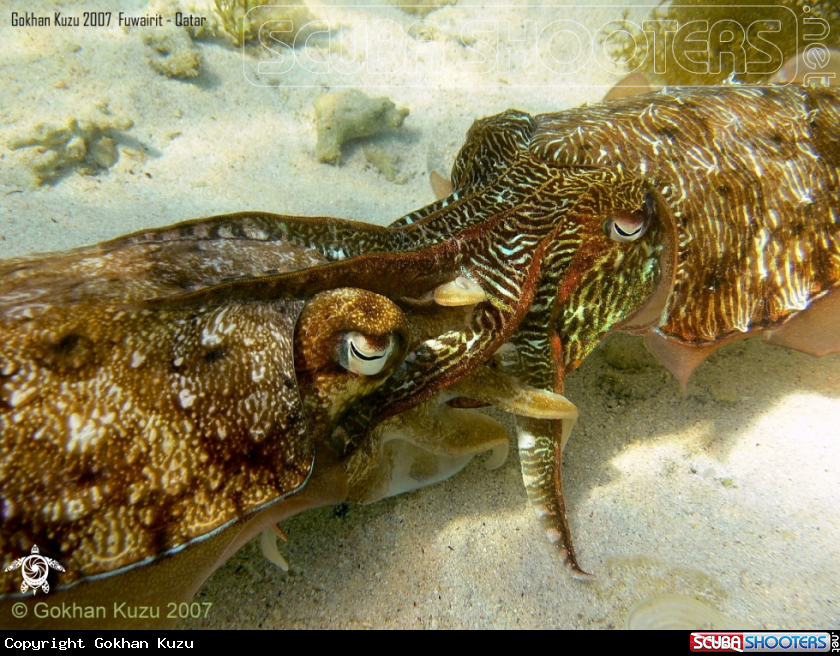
(365, 356)
(629, 226)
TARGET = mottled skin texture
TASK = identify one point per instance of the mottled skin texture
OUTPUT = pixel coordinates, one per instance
(742, 237)
(129, 434)
(735, 190)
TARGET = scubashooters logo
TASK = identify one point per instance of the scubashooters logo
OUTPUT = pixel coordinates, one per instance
(816, 56)
(35, 569)
(736, 641)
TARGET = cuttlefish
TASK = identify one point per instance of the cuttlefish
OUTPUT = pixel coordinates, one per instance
(141, 447)
(128, 434)
(691, 216)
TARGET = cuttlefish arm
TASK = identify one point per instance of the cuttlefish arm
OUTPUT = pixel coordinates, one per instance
(507, 393)
(612, 283)
(432, 441)
(334, 239)
(491, 150)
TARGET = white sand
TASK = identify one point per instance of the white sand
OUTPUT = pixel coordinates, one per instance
(729, 495)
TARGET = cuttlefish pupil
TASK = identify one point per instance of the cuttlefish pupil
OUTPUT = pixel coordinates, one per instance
(625, 227)
(357, 354)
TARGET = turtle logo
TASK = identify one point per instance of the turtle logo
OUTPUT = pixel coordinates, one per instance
(35, 569)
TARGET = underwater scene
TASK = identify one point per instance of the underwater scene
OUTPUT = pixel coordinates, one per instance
(359, 365)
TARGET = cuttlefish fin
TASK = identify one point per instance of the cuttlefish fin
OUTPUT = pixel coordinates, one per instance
(634, 84)
(821, 66)
(681, 358)
(815, 331)
(441, 186)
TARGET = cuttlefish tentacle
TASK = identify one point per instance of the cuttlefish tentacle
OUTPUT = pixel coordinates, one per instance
(420, 447)
(555, 227)
(490, 150)
(432, 441)
(540, 441)
(409, 260)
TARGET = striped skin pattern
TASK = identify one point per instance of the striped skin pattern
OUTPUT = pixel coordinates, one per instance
(736, 192)
(530, 233)
(752, 177)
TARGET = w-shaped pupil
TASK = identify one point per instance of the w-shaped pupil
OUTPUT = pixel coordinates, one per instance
(362, 356)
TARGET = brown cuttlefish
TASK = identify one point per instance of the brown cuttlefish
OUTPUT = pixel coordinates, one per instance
(691, 216)
(141, 447)
(129, 435)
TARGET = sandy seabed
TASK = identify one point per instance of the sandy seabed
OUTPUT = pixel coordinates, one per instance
(728, 494)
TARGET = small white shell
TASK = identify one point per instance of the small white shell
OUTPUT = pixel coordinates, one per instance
(670, 611)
